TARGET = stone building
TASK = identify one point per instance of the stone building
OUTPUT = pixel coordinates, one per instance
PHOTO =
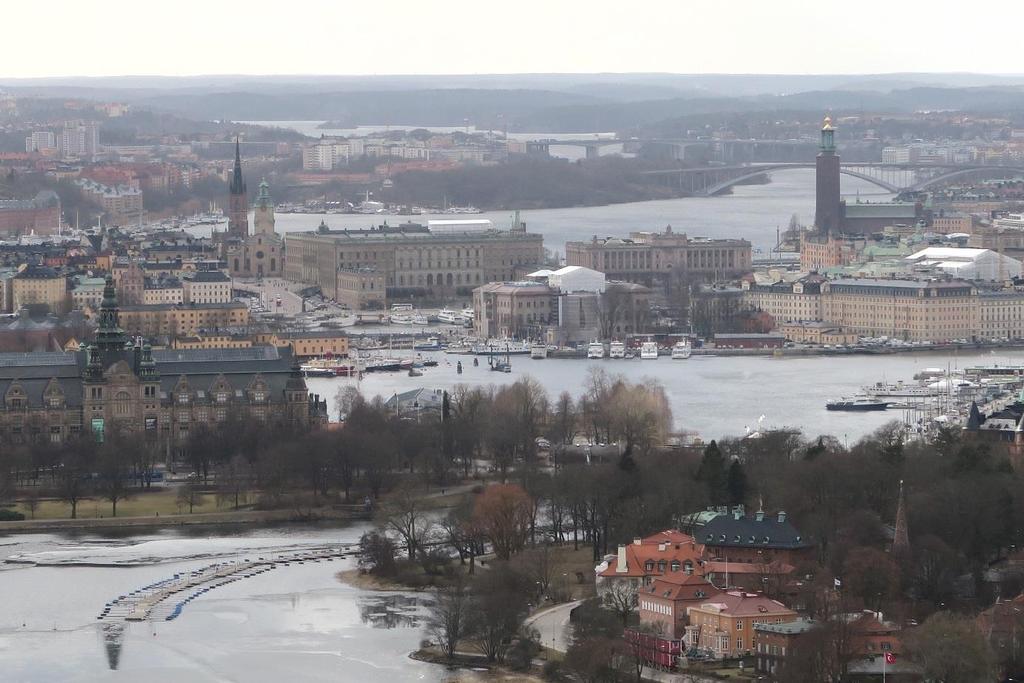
(414, 261)
(41, 214)
(173, 320)
(260, 254)
(513, 309)
(40, 285)
(650, 257)
(116, 383)
(361, 289)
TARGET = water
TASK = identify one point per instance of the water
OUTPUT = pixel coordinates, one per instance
(752, 212)
(713, 396)
(293, 623)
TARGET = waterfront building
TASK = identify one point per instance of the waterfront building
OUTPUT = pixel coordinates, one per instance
(513, 309)
(40, 215)
(834, 216)
(414, 261)
(119, 384)
(361, 289)
(725, 624)
(652, 258)
(953, 222)
(913, 310)
(1000, 314)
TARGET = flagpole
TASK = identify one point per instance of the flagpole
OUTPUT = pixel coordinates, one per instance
(884, 661)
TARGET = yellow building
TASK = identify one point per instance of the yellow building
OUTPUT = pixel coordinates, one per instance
(174, 320)
(40, 285)
(307, 344)
(912, 310)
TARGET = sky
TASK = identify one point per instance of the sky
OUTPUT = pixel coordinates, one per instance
(195, 37)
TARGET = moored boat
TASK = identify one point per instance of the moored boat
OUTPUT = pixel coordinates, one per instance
(616, 349)
(681, 350)
(595, 350)
(649, 350)
(859, 404)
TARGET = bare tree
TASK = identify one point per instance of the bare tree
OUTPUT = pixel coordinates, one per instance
(448, 616)
(404, 514)
(620, 596)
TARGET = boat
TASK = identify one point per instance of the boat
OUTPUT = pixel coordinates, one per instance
(467, 313)
(501, 346)
(431, 344)
(317, 371)
(401, 319)
(859, 404)
(649, 351)
(450, 317)
(595, 350)
(420, 319)
(538, 351)
(616, 349)
(900, 390)
(458, 367)
(413, 372)
(499, 365)
(681, 350)
(401, 308)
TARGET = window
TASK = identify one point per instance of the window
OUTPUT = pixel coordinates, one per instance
(183, 397)
(122, 403)
(222, 397)
(739, 625)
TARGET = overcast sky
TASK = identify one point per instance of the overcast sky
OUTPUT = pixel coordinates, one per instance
(188, 37)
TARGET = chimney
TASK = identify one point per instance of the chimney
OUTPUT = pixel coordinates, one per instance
(620, 564)
(782, 516)
(636, 540)
(662, 547)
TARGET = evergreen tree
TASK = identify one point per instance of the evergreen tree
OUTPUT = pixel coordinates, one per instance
(736, 483)
(714, 473)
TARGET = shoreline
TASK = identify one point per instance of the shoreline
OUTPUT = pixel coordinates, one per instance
(242, 517)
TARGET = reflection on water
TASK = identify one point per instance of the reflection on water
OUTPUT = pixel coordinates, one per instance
(392, 611)
(113, 640)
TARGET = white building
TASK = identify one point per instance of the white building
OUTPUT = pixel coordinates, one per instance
(40, 141)
(460, 225)
(968, 264)
(79, 139)
(325, 155)
(577, 279)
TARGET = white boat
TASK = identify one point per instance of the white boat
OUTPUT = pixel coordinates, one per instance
(616, 350)
(420, 319)
(401, 308)
(401, 319)
(467, 313)
(900, 390)
(595, 350)
(449, 317)
(501, 346)
(681, 351)
(649, 351)
(538, 351)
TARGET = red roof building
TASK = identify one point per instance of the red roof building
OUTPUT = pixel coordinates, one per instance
(663, 603)
(666, 553)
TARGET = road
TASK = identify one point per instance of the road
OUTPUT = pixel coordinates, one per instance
(553, 626)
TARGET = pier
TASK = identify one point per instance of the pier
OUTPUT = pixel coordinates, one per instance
(164, 600)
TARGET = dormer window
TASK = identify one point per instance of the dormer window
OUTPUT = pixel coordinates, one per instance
(183, 398)
(675, 565)
(688, 568)
(661, 566)
(649, 566)
(222, 397)
(259, 396)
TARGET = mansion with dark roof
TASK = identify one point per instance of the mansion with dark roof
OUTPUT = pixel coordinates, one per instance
(119, 383)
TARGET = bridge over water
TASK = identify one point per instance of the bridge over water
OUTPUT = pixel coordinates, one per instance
(711, 180)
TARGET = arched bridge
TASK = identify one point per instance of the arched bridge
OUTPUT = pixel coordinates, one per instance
(711, 180)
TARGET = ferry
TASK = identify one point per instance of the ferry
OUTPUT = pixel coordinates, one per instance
(616, 349)
(401, 319)
(538, 351)
(309, 370)
(467, 313)
(859, 404)
(431, 344)
(401, 308)
(900, 390)
(681, 351)
(420, 319)
(501, 346)
(449, 317)
(595, 350)
(649, 351)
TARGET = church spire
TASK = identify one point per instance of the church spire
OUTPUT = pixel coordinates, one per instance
(237, 182)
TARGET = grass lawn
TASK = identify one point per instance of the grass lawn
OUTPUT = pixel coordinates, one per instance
(568, 562)
(145, 504)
